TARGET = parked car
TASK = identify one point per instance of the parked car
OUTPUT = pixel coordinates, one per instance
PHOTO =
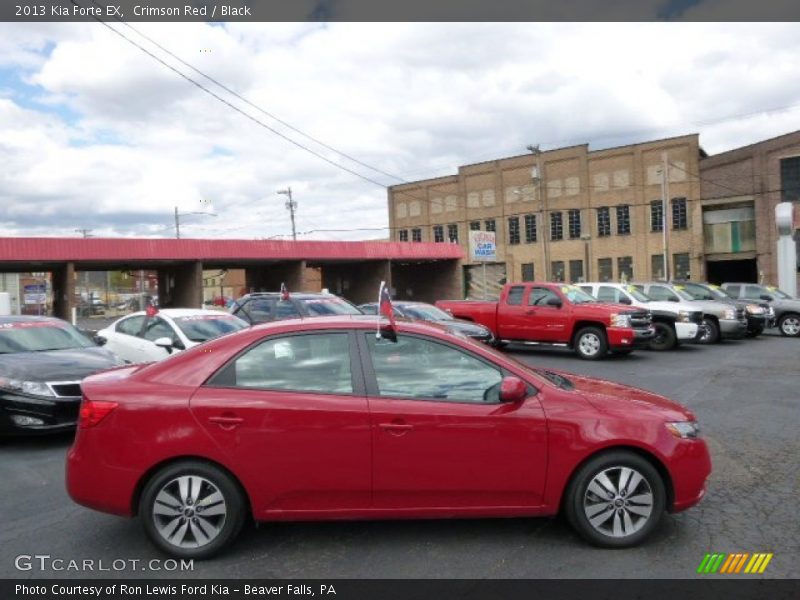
(558, 314)
(263, 307)
(786, 307)
(421, 311)
(756, 313)
(317, 419)
(673, 322)
(42, 363)
(720, 319)
(140, 338)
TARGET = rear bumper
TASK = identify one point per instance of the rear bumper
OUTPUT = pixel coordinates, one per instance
(732, 330)
(619, 338)
(687, 331)
(21, 414)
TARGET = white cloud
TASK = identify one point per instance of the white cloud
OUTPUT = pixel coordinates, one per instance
(95, 133)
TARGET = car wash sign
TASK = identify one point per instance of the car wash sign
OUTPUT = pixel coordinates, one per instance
(482, 247)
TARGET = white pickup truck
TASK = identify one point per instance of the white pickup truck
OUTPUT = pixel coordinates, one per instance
(674, 322)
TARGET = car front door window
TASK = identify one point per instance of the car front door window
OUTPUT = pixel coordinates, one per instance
(418, 368)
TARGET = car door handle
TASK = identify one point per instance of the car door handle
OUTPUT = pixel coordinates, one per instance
(530, 311)
(226, 422)
(396, 428)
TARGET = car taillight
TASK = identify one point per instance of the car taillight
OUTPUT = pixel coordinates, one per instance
(94, 411)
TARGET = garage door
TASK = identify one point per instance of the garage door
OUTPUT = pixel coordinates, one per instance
(478, 287)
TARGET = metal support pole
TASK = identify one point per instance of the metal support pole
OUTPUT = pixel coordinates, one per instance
(664, 221)
(177, 224)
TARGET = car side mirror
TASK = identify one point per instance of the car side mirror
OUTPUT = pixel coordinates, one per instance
(165, 343)
(766, 297)
(99, 340)
(554, 302)
(513, 389)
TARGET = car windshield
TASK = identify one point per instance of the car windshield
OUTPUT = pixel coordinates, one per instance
(683, 293)
(40, 336)
(637, 294)
(702, 292)
(576, 295)
(201, 328)
(425, 312)
(778, 293)
(328, 305)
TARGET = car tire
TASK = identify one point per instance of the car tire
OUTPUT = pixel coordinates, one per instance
(665, 337)
(590, 343)
(180, 529)
(789, 325)
(634, 512)
(710, 333)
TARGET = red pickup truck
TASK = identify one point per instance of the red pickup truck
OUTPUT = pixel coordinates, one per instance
(558, 314)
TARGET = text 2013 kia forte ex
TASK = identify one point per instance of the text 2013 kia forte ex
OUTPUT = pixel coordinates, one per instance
(321, 419)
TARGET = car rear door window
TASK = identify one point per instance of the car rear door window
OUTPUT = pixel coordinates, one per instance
(317, 362)
(285, 309)
(419, 368)
(753, 291)
(515, 295)
(158, 328)
(257, 310)
(733, 290)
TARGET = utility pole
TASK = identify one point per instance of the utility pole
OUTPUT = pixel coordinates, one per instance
(178, 216)
(664, 221)
(177, 224)
(537, 176)
(86, 233)
(291, 206)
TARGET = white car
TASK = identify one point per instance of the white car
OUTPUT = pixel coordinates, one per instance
(674, 322)
(140, 338)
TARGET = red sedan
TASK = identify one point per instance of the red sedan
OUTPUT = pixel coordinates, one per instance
(319, 419)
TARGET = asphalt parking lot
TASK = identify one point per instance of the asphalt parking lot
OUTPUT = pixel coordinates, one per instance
(744, 393)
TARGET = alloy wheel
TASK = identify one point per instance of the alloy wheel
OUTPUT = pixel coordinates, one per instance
(189, 512)
(589, 344)
(618, 502)
(790, 326)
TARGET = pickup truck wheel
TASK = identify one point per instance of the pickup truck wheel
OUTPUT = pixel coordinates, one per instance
(590, 343)
(615, 500)
(789, 325)
(664, 339)
(710, 333)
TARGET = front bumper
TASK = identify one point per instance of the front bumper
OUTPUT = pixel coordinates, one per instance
(757, 322)
(619, 338)
(732, 329)
(687, 331)
(690, 467)
(43, 414)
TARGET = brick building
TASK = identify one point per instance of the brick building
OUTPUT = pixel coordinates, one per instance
(739, 191)
(567, 214)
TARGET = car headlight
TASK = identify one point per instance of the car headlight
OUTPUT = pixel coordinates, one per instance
(683, 316)
(684, 429)
(729, 313)
(755, 309)
(618, 320)
(32, 388)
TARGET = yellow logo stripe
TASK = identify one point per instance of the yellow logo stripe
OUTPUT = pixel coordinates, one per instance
(765, 563)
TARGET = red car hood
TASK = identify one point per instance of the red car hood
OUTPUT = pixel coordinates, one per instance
(609, 396)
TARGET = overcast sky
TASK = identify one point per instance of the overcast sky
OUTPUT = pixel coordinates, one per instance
(95, 133)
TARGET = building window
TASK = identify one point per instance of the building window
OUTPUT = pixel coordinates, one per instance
(604, 269)
(490, 225)
(557, 270)
(513, 230)
(574, 222)
(576, 271)
(657, 267)
(603, 221)
(625, 268)
(452, 232)
(416, 235)
(556, 227)
(438, 233)
(657, 215)
(404, 235)
(790, 179)
(527, 272)
(623, 219)
(679, 219)
(530, 229)
(680, 266)
(475, 226)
